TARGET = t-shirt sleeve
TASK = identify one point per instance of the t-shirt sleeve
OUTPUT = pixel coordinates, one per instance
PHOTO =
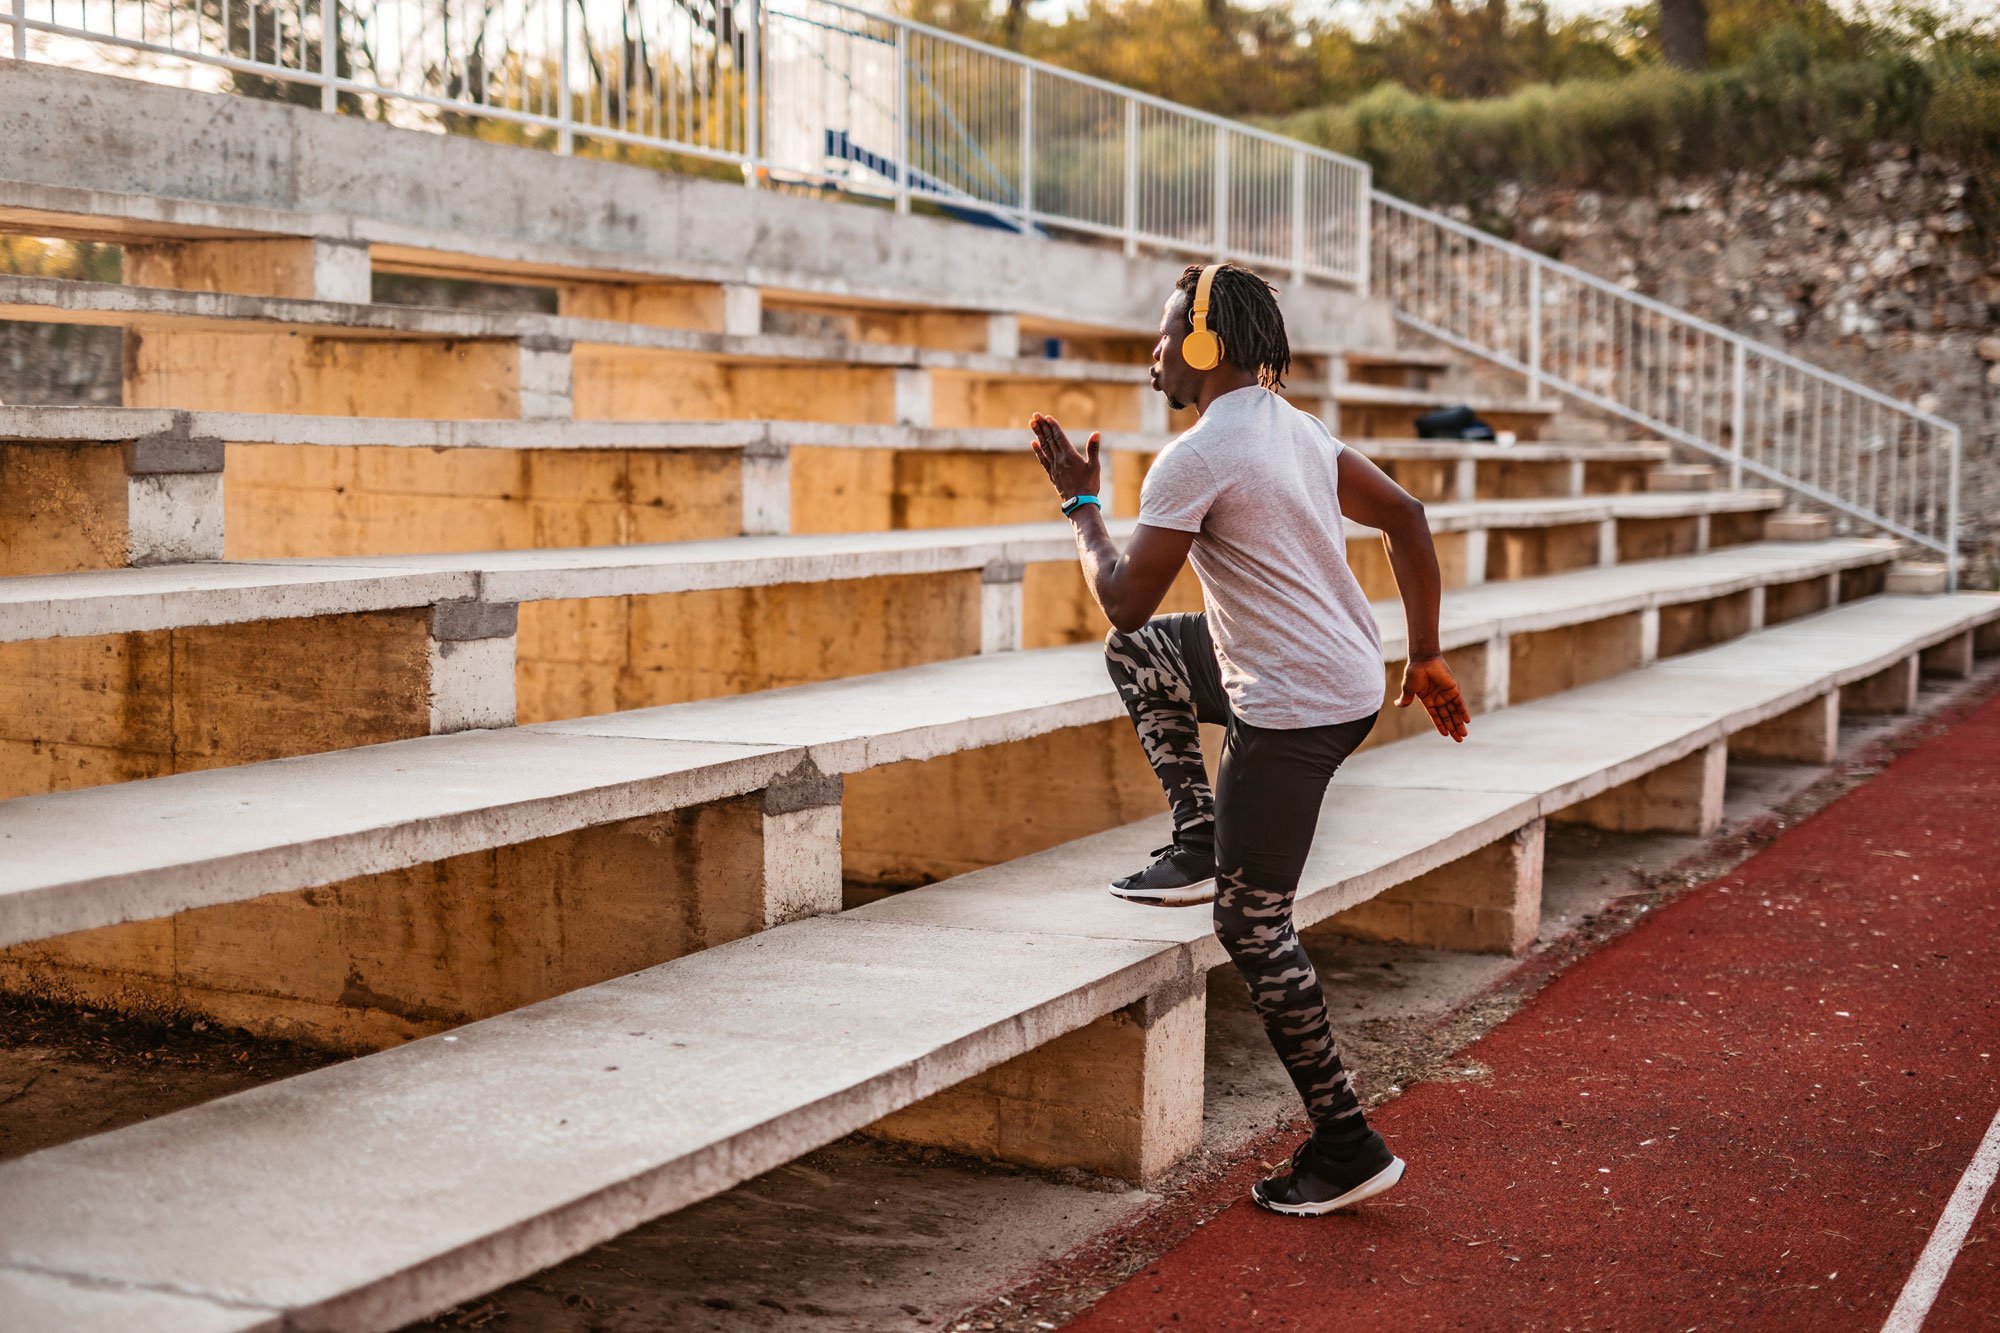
(1177, 492)
(1327, 431)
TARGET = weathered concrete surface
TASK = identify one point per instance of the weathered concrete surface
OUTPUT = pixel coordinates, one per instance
(1808, 734)
(81, 711)
(1488, 901)
(500, 1148)
(178, 596)
(196, 839)
(38, 1301)
(1121, 1096)
(525, 208)
(377, 960)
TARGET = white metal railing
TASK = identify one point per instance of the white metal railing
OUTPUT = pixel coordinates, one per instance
(812, 91)
(1767, 415)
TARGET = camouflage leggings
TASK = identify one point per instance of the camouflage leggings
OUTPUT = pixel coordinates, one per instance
(1259, 821)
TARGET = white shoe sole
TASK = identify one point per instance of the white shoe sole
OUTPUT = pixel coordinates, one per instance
(1379, 1183)
(1203, 891)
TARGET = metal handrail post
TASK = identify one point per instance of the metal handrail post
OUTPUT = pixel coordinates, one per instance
(1364, 239)
(1534, 333)
(329, 34)
(1298, 219)
(902, 119)
(1221, 193)
(20, 29)
(1954, 442)
(1737, 417)
(1131, 178)
(1027, 145)
(753, 94)
(565, 138)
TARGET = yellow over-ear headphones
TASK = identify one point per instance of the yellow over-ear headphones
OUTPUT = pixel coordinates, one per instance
(1202, 348)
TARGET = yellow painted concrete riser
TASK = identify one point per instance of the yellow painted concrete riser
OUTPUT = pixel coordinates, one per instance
(82, 712)
(302, 373)
(378, 960)
(62, 508)
(312, 500)
(603, 654)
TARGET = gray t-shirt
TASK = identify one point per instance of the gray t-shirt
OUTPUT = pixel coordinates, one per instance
(1255, 480)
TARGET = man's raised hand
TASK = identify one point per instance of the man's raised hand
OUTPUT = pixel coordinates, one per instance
(1070, 472)
(1430, 680)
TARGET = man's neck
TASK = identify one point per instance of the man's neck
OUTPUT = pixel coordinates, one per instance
(1217, 385)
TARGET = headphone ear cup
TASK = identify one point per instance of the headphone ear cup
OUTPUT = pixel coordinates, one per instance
(1202, 350)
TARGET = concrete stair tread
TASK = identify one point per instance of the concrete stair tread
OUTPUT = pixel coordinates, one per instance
(56, 300)
(162, 844)
(116, 601)
(509, 1143)
(487, 1153)
(1563, 749)
(71, 860)
(112, 424)
(1527, 451)
(1351, 393)
(169, 596)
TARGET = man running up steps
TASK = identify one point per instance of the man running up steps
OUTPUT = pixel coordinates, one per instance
(1285, 656)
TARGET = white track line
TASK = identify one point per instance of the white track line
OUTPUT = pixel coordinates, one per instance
(1935, 1262)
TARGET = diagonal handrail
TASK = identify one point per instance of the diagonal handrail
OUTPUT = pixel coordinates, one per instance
(1764, 412)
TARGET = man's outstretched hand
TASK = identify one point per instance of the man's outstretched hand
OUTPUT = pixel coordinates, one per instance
(1072, 473)
(1431, 681)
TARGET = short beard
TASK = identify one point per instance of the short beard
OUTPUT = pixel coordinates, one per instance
(1176, 403)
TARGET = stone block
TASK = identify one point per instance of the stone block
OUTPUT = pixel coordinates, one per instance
(1121, 1096)
(1915, 580)
(1522, 553)
(1951, 658)
(1684, 796)
(1808, 734)
(1890, 690)
(472, 668)
(1797, 528)
(767, 490)
(1002, 608)
(1489, 901)
(838, 489)
(1681, 478)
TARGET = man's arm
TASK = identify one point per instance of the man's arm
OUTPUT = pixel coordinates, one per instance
(1129, 585)
(1368, 496)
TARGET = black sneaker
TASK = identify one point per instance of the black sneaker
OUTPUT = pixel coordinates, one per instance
(1181, 877)
(1317, 1182)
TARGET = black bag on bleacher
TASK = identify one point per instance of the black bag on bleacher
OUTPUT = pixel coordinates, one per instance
(1453, 423)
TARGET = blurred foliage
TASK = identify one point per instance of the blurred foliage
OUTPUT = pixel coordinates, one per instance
(43, 257)
(1446, 99)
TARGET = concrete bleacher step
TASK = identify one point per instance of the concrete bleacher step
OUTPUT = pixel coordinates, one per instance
(108, 487)
(127, 674)
(1058, 1026)
(350, 359)
(405, 831)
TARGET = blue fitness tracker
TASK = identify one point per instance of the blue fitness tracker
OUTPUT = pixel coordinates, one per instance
(1076, 502)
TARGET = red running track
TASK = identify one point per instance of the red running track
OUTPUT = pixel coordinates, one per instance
(1748, 1113)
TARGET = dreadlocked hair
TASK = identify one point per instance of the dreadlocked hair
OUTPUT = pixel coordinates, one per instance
(1243, 312)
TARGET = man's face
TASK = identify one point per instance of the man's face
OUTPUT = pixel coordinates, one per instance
(1171, 375)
